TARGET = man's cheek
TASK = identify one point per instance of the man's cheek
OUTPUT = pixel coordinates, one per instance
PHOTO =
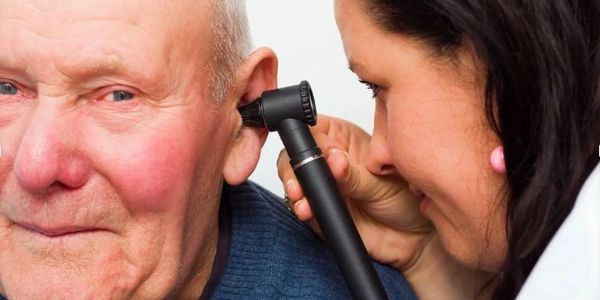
(150, 174)
(8, 144)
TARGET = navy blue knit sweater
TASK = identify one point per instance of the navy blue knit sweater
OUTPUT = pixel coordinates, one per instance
(274, 256)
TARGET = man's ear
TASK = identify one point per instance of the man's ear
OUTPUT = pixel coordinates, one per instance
(257, 74)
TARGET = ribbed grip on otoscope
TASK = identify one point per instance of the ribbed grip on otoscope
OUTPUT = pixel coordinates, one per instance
(333, 217)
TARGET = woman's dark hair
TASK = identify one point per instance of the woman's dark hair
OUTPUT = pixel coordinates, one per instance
(542, 100)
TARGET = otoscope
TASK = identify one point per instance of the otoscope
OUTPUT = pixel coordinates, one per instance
(289, 111)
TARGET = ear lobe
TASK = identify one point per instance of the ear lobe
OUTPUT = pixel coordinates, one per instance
(243, 157)
(256, 75)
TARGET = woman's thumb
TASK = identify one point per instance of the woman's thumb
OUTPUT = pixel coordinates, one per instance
(348, 176)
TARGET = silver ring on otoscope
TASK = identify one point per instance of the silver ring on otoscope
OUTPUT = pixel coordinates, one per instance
(307, 160)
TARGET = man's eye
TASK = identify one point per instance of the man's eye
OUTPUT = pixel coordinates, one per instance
(8, 89)
(119, 96)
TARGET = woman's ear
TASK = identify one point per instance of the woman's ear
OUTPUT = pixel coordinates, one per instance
(258, 73)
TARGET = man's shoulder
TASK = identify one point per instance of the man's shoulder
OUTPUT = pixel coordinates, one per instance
(273, 255)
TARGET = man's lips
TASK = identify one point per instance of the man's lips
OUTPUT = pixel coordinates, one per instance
(57, 231)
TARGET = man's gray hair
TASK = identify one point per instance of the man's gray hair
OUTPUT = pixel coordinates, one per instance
(231, 44)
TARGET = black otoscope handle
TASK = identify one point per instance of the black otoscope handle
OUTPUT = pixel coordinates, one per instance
(328, 207)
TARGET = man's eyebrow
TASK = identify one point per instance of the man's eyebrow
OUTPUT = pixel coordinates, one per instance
(6, 62)
(80, 71)
(143, 76)
(15, 70)
(83, 70)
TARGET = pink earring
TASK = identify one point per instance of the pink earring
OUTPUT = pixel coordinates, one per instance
(497, 160)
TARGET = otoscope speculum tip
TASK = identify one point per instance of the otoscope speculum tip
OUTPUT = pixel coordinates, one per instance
(252, 114)
(292, 102)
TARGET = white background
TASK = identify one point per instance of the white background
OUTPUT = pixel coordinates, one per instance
(304, 35)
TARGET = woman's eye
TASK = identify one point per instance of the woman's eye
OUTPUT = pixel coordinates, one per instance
(119, 96)
(373, 87)
(8, 89)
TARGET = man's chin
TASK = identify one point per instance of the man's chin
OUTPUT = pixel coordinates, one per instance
(51, 291)
(75, 266)
(63, 280)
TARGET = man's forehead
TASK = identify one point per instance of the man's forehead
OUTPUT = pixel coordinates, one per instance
(72, 31)
(129, 11)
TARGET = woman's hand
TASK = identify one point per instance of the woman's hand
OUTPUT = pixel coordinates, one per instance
(386, 213)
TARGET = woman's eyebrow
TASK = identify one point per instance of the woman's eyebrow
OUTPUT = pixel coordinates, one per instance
(352, 66)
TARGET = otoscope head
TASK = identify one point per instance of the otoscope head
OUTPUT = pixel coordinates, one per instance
(292, 102)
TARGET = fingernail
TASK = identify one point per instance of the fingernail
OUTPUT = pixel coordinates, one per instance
(289, 184)
(336, 152)
(339, 154)
(341, 160)
(300, 207)
(388, 170)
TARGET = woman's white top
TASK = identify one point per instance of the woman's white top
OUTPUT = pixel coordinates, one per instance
(569, 268)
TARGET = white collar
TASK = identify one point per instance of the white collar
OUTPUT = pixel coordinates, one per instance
(569, 268)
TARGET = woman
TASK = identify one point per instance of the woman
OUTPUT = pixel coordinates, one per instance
(487, 111)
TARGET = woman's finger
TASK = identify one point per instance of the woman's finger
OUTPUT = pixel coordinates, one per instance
(288, 178)
(293, 189)
(302, 210)
(284, 170)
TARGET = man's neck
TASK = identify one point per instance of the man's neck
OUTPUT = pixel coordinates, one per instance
(201, 270)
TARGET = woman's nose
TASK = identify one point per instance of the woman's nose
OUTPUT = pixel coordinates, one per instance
(378, 159)
(46, 157)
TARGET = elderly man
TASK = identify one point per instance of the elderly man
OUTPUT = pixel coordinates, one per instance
(121, 146)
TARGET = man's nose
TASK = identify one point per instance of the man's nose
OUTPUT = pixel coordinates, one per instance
(47, 155)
